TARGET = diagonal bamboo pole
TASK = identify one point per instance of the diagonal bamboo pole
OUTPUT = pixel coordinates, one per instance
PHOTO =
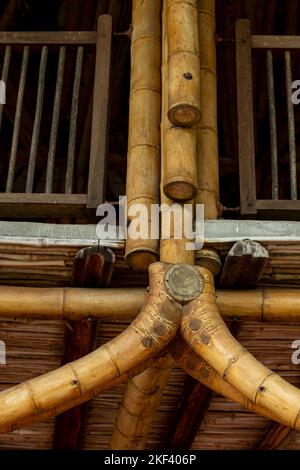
(205, 374)
(146, 336)
(206, 333)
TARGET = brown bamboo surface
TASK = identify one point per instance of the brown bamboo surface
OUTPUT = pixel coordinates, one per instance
(226, 425)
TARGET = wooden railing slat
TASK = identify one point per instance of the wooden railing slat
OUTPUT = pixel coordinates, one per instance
(55, 119)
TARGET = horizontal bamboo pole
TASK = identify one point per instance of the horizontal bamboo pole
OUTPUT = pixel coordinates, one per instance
(183, 62)
(142, 182)
(146, 336)
(271, 305)
(206, 333)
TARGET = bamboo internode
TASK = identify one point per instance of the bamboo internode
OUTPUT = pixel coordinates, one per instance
(183, 62)
(144, 117)
(207, 132)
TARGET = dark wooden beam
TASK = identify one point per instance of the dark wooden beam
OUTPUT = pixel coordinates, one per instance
(192, 408)
(93, 267)
(244, 265)
(275, 437)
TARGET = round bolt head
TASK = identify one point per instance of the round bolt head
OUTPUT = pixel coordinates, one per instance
(183, 282)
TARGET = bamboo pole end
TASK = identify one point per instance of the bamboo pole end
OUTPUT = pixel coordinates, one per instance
(184, 114)
(183, 282)
(180, 190)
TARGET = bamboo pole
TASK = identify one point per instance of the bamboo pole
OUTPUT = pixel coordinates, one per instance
(144, 116)
(205, 374)
(206, 333)
(146, 336)
(270, 305)
(183, 62)
(141, 400)
(132, 433)
(207, 132)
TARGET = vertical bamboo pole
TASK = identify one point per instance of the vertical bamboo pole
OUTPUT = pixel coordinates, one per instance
(207, 159)
(132, 434)
(144, 118)
(183, 62)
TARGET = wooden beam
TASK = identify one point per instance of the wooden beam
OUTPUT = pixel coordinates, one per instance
(275, 437)
(93, 267)
(194, 404)
(245, 117)
(244, 265)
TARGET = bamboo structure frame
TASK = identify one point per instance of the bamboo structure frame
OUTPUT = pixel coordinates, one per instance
(207, 132)
(269, 305)
(144, 117)
(169, 327)
(206, 333)
(183, 62)
(171, 251)
(80, 380)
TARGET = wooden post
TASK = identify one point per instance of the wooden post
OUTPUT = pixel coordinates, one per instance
(93, 267)
(245, 118)
(244, 265)
(100, 121)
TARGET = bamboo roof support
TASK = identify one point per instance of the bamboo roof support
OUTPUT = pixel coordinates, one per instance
(207, 132)
(206, 333)
(134, 435)
(146, 336)
(270, 305)
(142, 181)
(183, 62)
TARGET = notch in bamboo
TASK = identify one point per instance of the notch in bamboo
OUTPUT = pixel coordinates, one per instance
(183, 62)
(144, 117)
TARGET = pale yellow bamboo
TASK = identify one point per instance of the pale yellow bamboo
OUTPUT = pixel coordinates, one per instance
(148, 334)
(206, 333)
(271, 305)
(141, 400)
(132, 433)
(183, 62)
(204, 373)
(207, 133)
(144, 116)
